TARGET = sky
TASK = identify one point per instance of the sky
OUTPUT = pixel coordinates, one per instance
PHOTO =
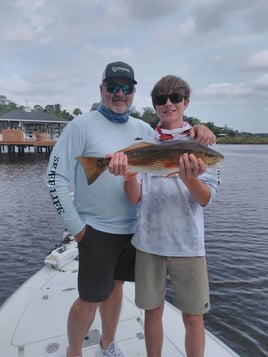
(54, 52)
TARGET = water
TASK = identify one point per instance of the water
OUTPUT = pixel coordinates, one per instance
(236, 240)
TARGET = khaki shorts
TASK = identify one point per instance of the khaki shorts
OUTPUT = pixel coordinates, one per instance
(189, 281)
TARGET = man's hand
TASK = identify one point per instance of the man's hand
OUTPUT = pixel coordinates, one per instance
(202, 135)
(80, 234)
(118, 164)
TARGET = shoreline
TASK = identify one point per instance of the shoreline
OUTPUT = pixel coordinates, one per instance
(255, 140)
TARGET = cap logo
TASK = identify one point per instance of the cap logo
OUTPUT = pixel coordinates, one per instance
(120, 69)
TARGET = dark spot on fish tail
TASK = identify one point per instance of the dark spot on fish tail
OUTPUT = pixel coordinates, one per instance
(101, 163)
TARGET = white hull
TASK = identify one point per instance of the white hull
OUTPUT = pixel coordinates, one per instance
(33, 321)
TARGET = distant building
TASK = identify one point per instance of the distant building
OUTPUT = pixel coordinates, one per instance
(32, 121)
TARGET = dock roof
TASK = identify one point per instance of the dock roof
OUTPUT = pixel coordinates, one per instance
(32, 116)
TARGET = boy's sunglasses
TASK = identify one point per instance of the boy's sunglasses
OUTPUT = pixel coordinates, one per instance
(115, 88)
(173, 97)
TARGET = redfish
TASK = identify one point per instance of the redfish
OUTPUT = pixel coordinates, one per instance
(162, 159)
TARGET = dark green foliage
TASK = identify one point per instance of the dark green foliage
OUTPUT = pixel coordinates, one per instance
(224, 134)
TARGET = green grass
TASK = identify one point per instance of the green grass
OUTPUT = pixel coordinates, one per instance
(243, 140)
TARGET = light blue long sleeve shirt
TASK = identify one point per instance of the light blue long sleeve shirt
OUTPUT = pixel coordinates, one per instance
(103, 204)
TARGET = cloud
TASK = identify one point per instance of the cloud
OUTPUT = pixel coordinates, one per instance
(140, 9)
(56, 51)
(23, 22)
(188, 26)
(242, 16)
(226, 90)
(261, 83)
(258, 61)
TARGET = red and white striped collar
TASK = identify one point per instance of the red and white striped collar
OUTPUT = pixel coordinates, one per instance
(164, 134)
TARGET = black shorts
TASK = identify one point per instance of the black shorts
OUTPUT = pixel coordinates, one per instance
(103, 258)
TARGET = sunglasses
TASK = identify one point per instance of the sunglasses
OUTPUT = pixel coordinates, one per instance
(115, 88)
(173, 97)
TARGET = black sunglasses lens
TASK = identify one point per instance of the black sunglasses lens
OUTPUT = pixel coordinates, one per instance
(161, 99)
(127, 88)
(112, 88)
(115, 88)
(174, 98)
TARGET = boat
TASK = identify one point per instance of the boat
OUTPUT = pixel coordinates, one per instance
(33, 319)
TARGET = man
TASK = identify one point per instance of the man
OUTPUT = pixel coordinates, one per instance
(169, 236)
(101, 217)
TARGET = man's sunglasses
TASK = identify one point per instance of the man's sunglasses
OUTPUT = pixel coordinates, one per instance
(173, 97)
(115, 88)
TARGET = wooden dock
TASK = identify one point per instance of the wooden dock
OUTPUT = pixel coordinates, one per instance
(14, 141)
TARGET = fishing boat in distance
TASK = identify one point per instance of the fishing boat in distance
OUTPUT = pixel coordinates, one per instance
(33, 320)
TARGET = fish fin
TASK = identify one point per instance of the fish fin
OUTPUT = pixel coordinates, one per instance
(130, 176)
(93, 167)
(215, 166)
(171, 174)
(138, 145)
(171, 165)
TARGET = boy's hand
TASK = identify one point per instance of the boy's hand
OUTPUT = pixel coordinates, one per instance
(190, 167)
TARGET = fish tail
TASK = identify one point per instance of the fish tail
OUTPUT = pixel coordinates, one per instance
(93, 167)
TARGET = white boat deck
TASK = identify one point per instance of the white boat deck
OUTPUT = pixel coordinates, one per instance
(33, 321)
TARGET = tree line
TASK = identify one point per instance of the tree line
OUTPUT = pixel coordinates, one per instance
(7, 105)
(148, 115)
